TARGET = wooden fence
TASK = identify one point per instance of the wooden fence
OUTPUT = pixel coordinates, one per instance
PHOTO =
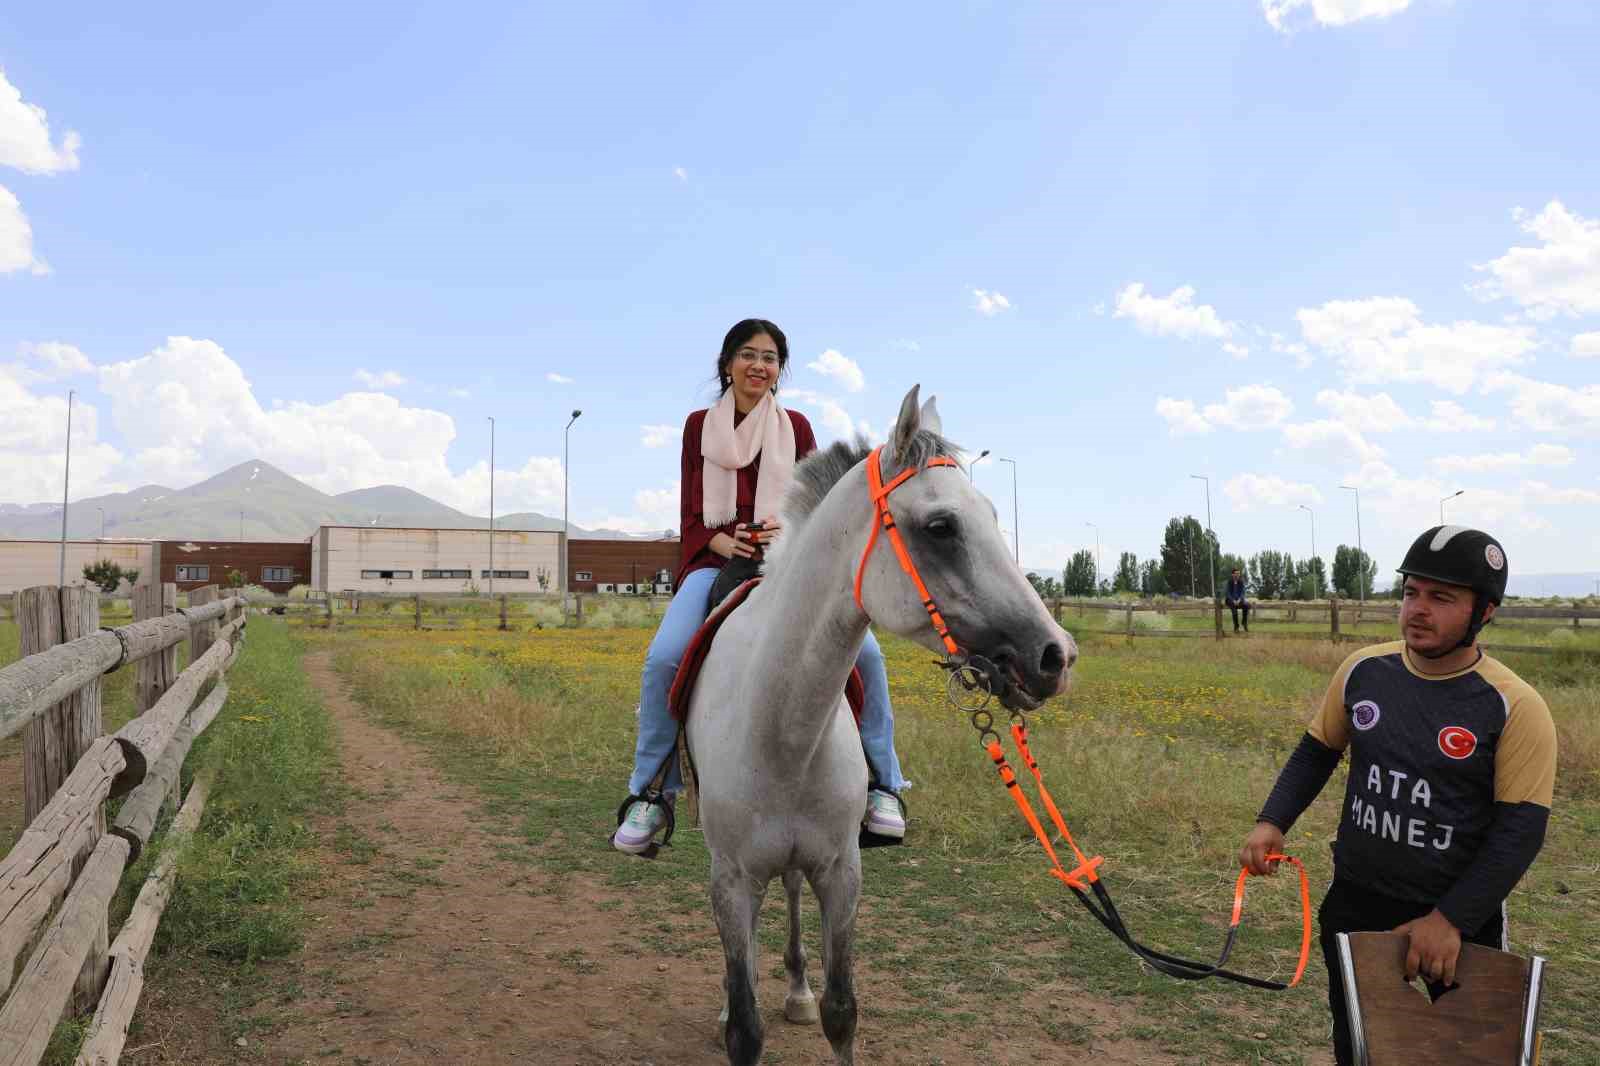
(67, 864)
(1334, 613)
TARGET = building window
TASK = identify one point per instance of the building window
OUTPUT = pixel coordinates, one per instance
(193, 573)
(386, 575)
(280, 575)
(583, 575)
(514, 574)
(447, 575)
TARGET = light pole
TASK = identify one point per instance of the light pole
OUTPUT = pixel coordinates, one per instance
(1361, 554)
(66, 480)
(1096, 557)
(491, 506)
(1452, 496)
(1210, 535)
(566, 451)
(1016, 529)
(975, 462)
(1315, 585)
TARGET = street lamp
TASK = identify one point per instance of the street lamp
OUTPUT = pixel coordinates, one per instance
(491, 506)
(975, 462)
(1452, 496)
(1096, 557)
(566, 448)
(1210, 534)
(1315, 585)
(1016, 528)
(1361, 554)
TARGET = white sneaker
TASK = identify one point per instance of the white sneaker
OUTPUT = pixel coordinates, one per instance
(883, 815)
(639, 827)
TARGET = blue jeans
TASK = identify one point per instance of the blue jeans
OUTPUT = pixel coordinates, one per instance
(658, 732)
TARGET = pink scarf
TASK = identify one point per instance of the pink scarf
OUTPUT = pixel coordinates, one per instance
(727, 449)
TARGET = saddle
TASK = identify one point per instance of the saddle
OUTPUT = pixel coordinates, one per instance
(1490, 1016)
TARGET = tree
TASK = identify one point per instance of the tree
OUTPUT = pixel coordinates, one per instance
(1152, 581)
(1311, 578)
(235, 579)
(108, 575)
(1048, 588)
(1078, 578)
(1185, 539)
(1226, 564)
(1127, 579)
(1266, 575)
(1353, 571)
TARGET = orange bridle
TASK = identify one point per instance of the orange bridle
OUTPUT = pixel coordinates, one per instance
(885, 521)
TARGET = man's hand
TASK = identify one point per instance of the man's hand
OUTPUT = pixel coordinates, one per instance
(1265, 839)
(1435, 947)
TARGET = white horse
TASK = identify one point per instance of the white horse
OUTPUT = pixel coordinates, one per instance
(782, 776)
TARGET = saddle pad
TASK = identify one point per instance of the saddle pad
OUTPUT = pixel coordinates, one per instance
(694, 656)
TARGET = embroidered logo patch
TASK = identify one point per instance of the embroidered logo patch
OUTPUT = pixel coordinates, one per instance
(1364, 715)
(1457, 742)
(1494, 557)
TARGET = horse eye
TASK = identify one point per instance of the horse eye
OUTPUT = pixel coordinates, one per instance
(942, 528)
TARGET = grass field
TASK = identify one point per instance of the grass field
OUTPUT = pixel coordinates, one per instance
(1160, 756)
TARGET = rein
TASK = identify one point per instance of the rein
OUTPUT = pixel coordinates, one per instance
(975, 674)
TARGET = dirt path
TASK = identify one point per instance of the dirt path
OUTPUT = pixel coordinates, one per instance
(428, 947)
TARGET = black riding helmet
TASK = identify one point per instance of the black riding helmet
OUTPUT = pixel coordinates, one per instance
(1457, 555)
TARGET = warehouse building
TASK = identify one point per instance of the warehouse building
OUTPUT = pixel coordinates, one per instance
(433, 561)
(26, 563)
(276, 566)
(622, 566)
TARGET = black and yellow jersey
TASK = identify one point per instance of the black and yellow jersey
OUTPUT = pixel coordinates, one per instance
(1430, 756)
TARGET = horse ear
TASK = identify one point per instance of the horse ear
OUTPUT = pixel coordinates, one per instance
(930, 416)
(905, 426)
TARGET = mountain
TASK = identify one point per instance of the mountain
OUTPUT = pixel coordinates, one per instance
(1572, 586)
(252, 501)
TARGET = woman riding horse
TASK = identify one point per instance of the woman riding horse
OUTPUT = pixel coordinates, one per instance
(738, 459)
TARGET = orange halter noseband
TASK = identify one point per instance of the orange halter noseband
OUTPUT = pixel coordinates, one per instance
(880, 502)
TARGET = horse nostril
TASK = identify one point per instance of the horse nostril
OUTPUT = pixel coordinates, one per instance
(1053, 661)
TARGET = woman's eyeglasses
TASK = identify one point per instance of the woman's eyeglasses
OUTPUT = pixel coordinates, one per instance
(749, 357)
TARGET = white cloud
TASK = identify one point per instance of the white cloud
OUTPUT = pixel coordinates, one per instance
(654, 511)
(1250, 407)
(16, 238)
(1538, 455)
(25, 136)
(1451, 417)
(33, 432)
(1586, 345)
(1269, 490)
(1367, 414)
(1328, 12)
(1174, 315)
(831, 364)
(1561, 276)
(828, 411)
(680, 173)
(59, 360)
(1331, 441)
(459, 394)
(1539, 492)
(383, 379)
(559, 379)
(1181, 416)
(1548, 407)
(1384, 339)
(659, 435)
(1283, 346)
(1238, 351)
(989, 303)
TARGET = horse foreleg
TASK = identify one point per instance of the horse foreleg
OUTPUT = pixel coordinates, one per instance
(736, 903)
(838, 889)
(800, 1006)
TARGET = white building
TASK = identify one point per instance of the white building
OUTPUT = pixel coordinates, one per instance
(26, 563)
(383, 559)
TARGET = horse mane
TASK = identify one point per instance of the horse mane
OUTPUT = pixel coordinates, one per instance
(817, 474)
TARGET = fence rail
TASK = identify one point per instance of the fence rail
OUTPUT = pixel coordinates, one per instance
(52, 694)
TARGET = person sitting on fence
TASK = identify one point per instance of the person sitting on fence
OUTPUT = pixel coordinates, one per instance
(1235, 600)
(1452, 772)
(738, 459)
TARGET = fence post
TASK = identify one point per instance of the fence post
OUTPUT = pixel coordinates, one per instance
(327, 602)
(200, 634)
(1333, 613)
(154, 674)
(1055, 609)
(1130, 619)
(417, 624)
(577, 603)
(1216, 613)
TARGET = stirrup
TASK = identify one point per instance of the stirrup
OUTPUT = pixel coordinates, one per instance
(868, 839)
(655, 799)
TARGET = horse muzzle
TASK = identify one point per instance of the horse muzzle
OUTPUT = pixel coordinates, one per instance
(1023, 681)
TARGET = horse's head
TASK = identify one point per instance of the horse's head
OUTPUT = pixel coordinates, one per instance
(953, 541)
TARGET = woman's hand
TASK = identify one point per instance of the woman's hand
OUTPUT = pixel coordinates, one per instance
(737, 546)
(770, 528)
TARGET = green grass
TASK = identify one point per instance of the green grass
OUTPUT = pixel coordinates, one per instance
(1160, 757)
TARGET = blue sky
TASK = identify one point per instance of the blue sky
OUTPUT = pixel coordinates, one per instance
(1289, 245)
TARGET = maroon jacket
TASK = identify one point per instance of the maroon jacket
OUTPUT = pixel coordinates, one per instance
(694, 536)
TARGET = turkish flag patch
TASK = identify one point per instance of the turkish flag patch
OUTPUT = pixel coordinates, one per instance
(1457, 742)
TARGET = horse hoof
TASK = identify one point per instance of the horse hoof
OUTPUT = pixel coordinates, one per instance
(801, 1010)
